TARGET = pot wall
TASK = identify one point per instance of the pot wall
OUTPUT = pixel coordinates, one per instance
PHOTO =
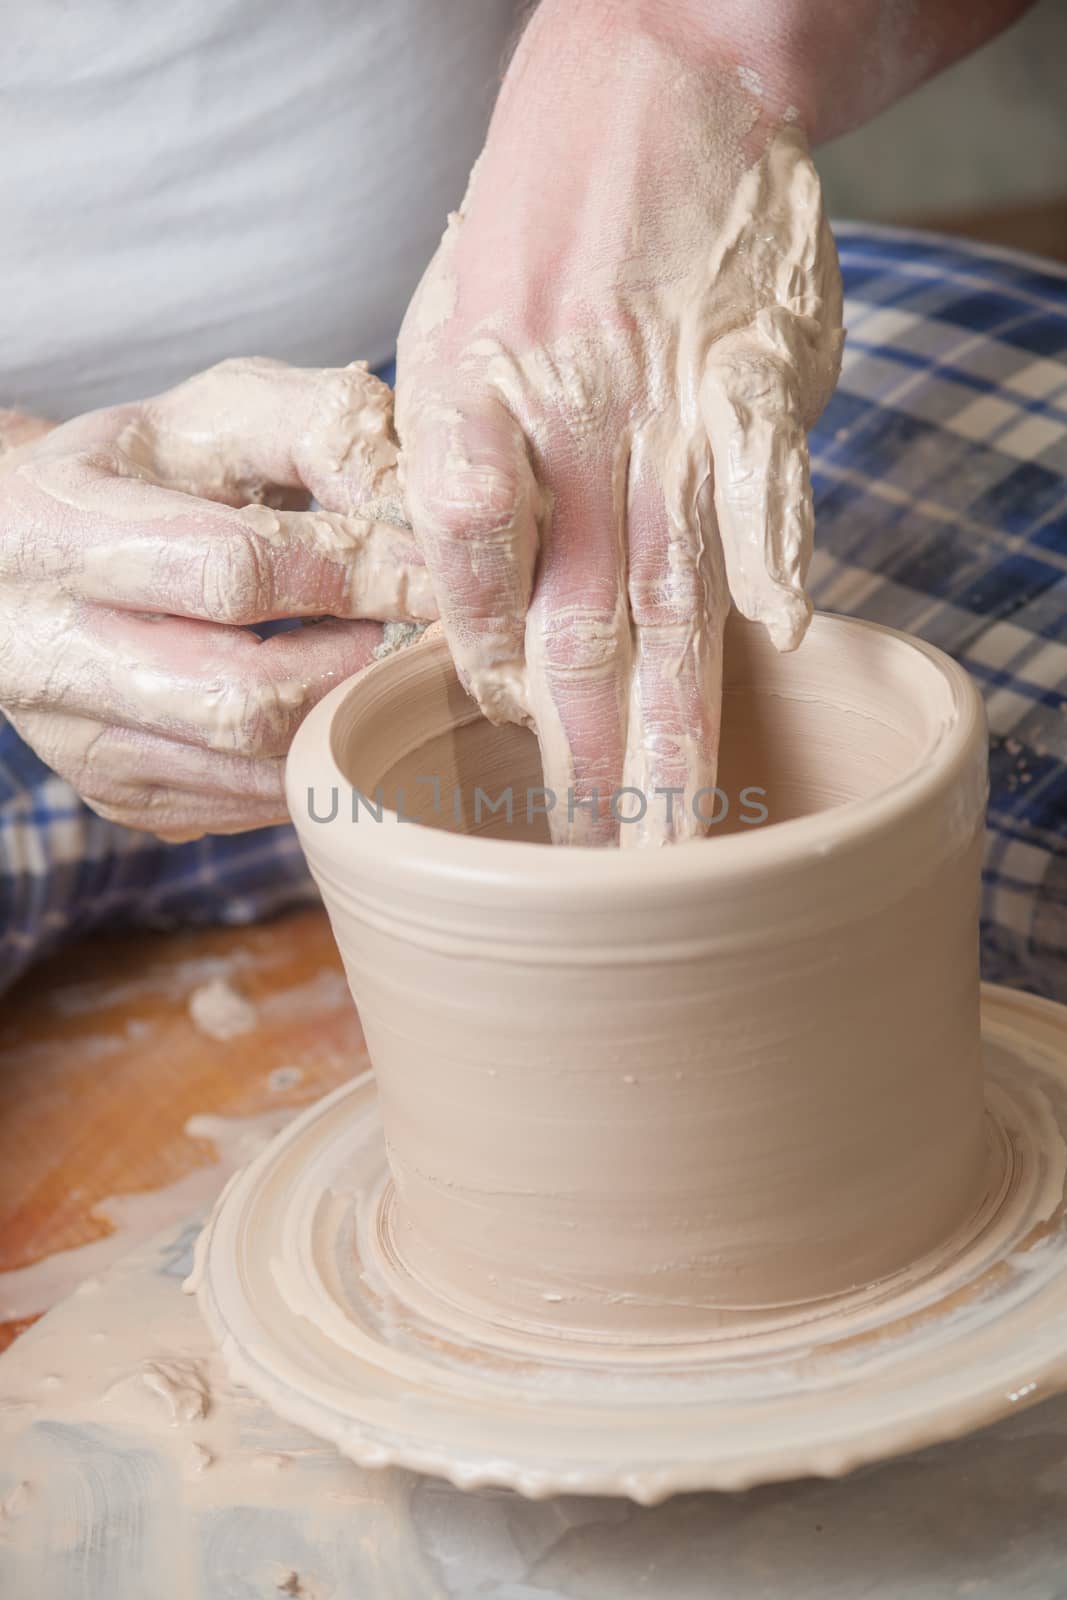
(632, 1094)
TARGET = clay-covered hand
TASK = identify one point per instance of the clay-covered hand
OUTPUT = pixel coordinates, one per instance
(604, 385)
(135, 545)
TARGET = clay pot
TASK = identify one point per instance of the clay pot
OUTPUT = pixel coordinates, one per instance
(636, 1094)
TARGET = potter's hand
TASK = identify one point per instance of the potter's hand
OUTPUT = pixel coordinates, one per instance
(604, 384)
(135, 542)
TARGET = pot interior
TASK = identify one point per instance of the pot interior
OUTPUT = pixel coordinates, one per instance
(843, 718)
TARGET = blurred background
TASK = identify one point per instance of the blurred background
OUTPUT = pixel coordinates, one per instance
(981, 150)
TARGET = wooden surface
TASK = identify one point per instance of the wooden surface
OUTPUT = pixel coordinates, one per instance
(1039, 228)
(101, 1066)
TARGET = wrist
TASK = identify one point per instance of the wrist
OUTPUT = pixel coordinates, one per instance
(775, 50)
(763, 48)
(831, 65)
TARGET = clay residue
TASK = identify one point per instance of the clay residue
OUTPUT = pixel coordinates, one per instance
(180, 1513)
(132, 1218)
(221, 1011)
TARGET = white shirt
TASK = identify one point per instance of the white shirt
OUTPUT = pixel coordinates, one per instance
(194, 179)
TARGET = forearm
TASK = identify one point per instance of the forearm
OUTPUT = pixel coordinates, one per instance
(831, 64)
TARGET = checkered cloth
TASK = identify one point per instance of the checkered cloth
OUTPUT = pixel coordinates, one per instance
(940, 473)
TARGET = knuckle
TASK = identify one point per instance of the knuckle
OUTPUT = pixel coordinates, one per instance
(240, 366)
(670, 599)
(480, 503)
(236, 580)
(255, 717)
(106, 770)
(582, 639)
(100, 794)
(753, 378)
(204, 393)
(231, 367)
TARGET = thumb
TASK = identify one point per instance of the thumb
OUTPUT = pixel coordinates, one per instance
(250, 425)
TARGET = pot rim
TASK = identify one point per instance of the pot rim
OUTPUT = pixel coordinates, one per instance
(399, 845)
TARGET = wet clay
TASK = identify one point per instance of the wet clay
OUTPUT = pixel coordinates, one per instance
(602, 397)
(221, 1011)
(637, 1095)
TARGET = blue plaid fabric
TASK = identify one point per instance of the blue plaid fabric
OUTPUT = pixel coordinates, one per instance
(66, 872)
(940, 474)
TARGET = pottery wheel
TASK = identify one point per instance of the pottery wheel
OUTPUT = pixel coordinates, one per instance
(315, 1312)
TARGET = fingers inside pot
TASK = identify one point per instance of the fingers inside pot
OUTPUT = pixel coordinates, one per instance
(678, 602)
(578, 647)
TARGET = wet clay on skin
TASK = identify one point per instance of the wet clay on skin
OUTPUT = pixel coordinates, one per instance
(687, 332)
(639, 1096)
